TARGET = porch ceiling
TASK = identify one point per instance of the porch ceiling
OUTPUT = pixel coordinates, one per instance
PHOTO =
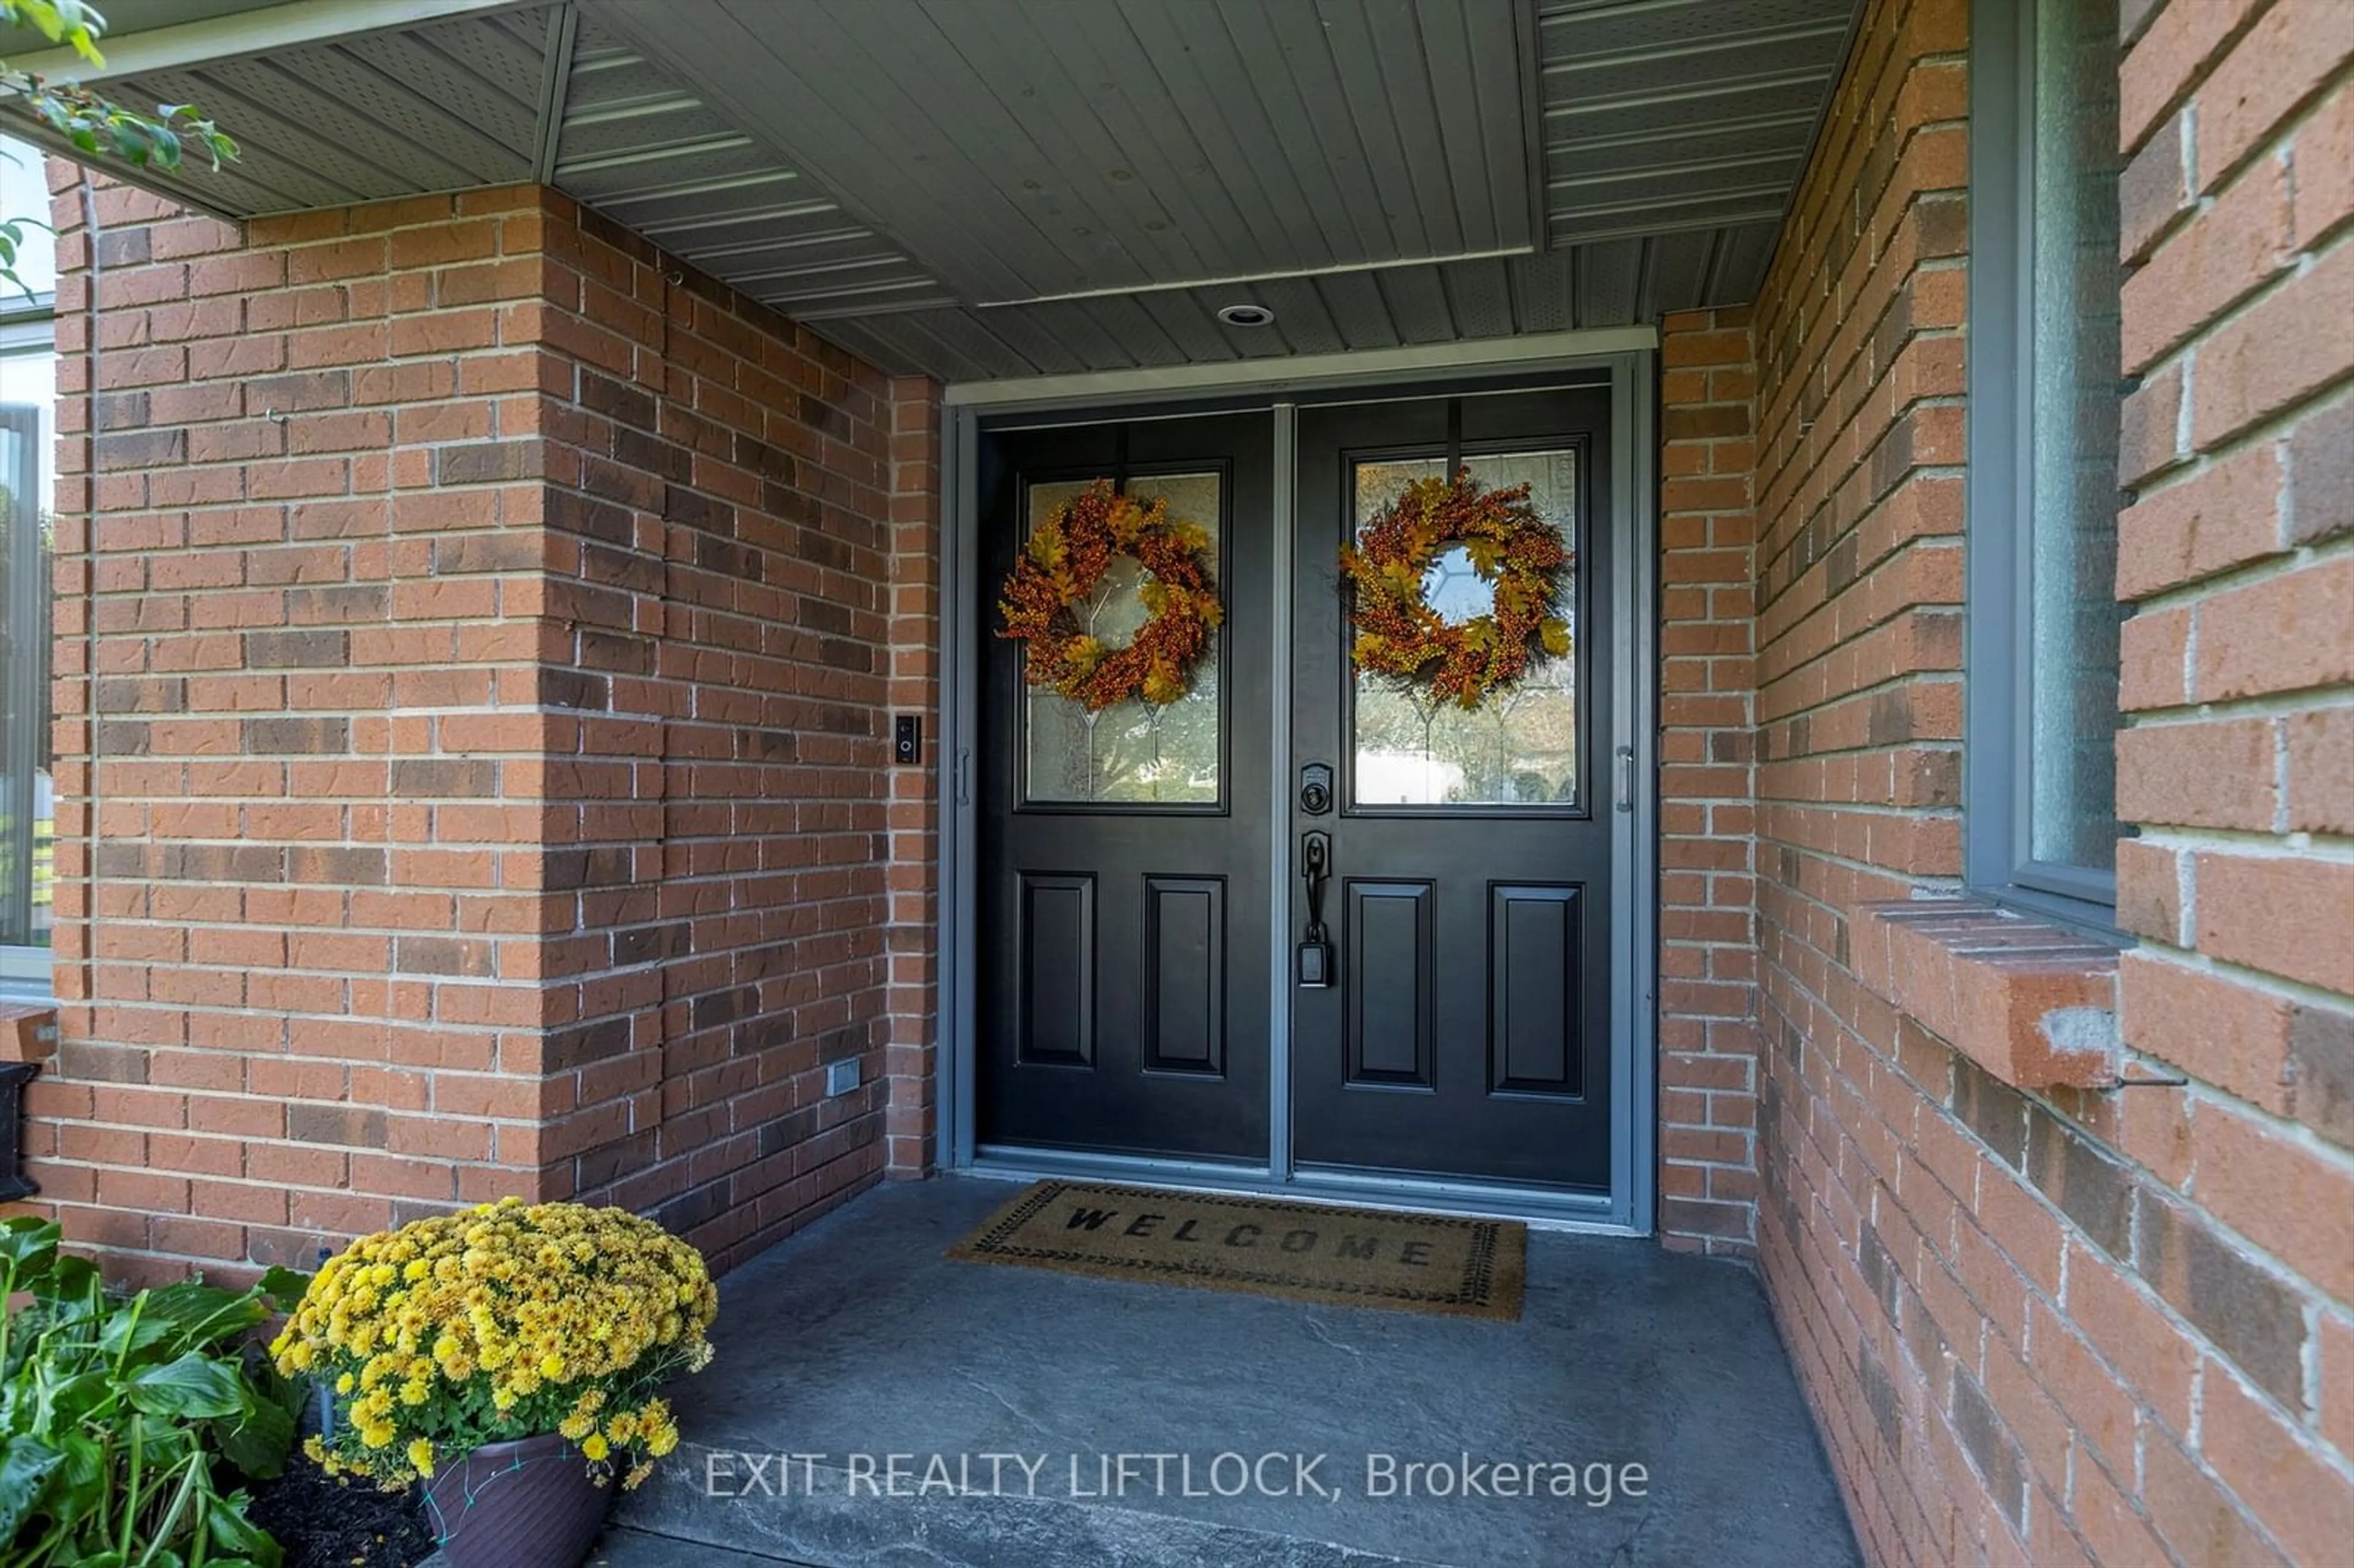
(990, 188)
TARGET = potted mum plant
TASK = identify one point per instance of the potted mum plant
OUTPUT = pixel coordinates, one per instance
(510, 1358)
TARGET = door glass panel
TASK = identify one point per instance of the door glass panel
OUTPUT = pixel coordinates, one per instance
(1518, 749)
(1133, 752)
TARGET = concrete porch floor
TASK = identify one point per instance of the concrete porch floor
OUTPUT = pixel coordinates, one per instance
(858, 1338)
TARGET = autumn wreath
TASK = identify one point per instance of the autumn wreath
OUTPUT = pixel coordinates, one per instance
(1061, 567)
(1400, 634)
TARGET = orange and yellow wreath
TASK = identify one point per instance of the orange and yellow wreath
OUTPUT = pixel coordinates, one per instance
(1060, 569)
(1400, 634)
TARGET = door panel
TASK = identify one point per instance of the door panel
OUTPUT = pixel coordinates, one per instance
(1185, 974)
(1123, 893)
(1389, 981)
(1467, 1030)
(1532, 1018)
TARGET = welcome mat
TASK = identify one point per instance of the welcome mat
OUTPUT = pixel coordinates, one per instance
(1303, 1252)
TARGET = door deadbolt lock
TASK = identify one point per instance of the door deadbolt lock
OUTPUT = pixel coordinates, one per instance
(1316, 788)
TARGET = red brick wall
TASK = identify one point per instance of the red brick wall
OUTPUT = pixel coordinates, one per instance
(1708, 944)
(1858, 711)
(2071, 1326)
(2238, 552)
(488, 630)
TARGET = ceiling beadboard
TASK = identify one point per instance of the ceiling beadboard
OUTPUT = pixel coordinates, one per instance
(996, 188)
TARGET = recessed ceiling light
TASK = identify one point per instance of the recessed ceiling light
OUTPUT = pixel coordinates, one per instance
(1246, 315)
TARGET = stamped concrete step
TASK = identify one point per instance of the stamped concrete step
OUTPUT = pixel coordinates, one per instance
(860, 1340)
(635, 1549)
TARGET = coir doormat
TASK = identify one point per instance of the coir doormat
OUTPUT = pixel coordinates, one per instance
(1303, 1252)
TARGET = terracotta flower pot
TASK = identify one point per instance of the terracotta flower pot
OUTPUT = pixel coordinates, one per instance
(529, 1503)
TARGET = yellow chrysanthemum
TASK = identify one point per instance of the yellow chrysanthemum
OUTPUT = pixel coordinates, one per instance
(498, 1322)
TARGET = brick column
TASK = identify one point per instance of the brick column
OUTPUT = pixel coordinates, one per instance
(912, 1058)
(1708, 946)
(475, 639)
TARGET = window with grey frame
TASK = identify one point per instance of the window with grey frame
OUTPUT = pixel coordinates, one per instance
(2039, 826)
(28, 432)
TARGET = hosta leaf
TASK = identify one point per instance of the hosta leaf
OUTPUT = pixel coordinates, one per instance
(232, 1531)
(284, 1285)
(192, 1308)
(29, 1246)
(192, 1387)
(129, 1332)
(256, 1443)
(25, 1466)
(79, 1483)
(72, 1278)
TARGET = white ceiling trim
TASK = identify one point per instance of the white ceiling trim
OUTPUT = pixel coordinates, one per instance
(245, 34)
(1246, 279)
(1307, 369)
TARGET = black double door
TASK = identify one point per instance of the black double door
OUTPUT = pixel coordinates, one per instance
(1129, 895)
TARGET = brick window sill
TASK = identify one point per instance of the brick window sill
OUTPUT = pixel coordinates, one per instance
(28, 1032)
(2033, 1005)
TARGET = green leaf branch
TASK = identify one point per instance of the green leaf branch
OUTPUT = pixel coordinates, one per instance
(89, 121)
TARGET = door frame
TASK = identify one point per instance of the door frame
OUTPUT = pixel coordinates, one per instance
(1623, 359)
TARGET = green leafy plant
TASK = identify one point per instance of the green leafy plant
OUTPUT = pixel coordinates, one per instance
(89, 120)
(116, 1409)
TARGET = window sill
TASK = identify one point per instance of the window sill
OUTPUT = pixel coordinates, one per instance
(2032, 1004)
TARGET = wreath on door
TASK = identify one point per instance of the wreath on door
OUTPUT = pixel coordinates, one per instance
(1398, 632)
(1060, 569)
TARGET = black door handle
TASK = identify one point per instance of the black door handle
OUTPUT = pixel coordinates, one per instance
(1315, 962)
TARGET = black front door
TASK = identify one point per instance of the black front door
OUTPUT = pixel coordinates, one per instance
(1124, 854)
(1467, 896)
(1127, 908)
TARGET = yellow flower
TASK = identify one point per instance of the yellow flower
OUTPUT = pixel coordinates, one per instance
(434, 1326)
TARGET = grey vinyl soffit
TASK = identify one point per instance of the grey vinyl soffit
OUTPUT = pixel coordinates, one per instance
(983, 189)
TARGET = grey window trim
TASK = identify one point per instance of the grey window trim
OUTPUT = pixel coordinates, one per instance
(24, 970)
(1998, 693)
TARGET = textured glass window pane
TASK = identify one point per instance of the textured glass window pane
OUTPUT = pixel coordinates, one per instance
(28, 799)
(2072, 552)
(1520, 748)
(1131, 752)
